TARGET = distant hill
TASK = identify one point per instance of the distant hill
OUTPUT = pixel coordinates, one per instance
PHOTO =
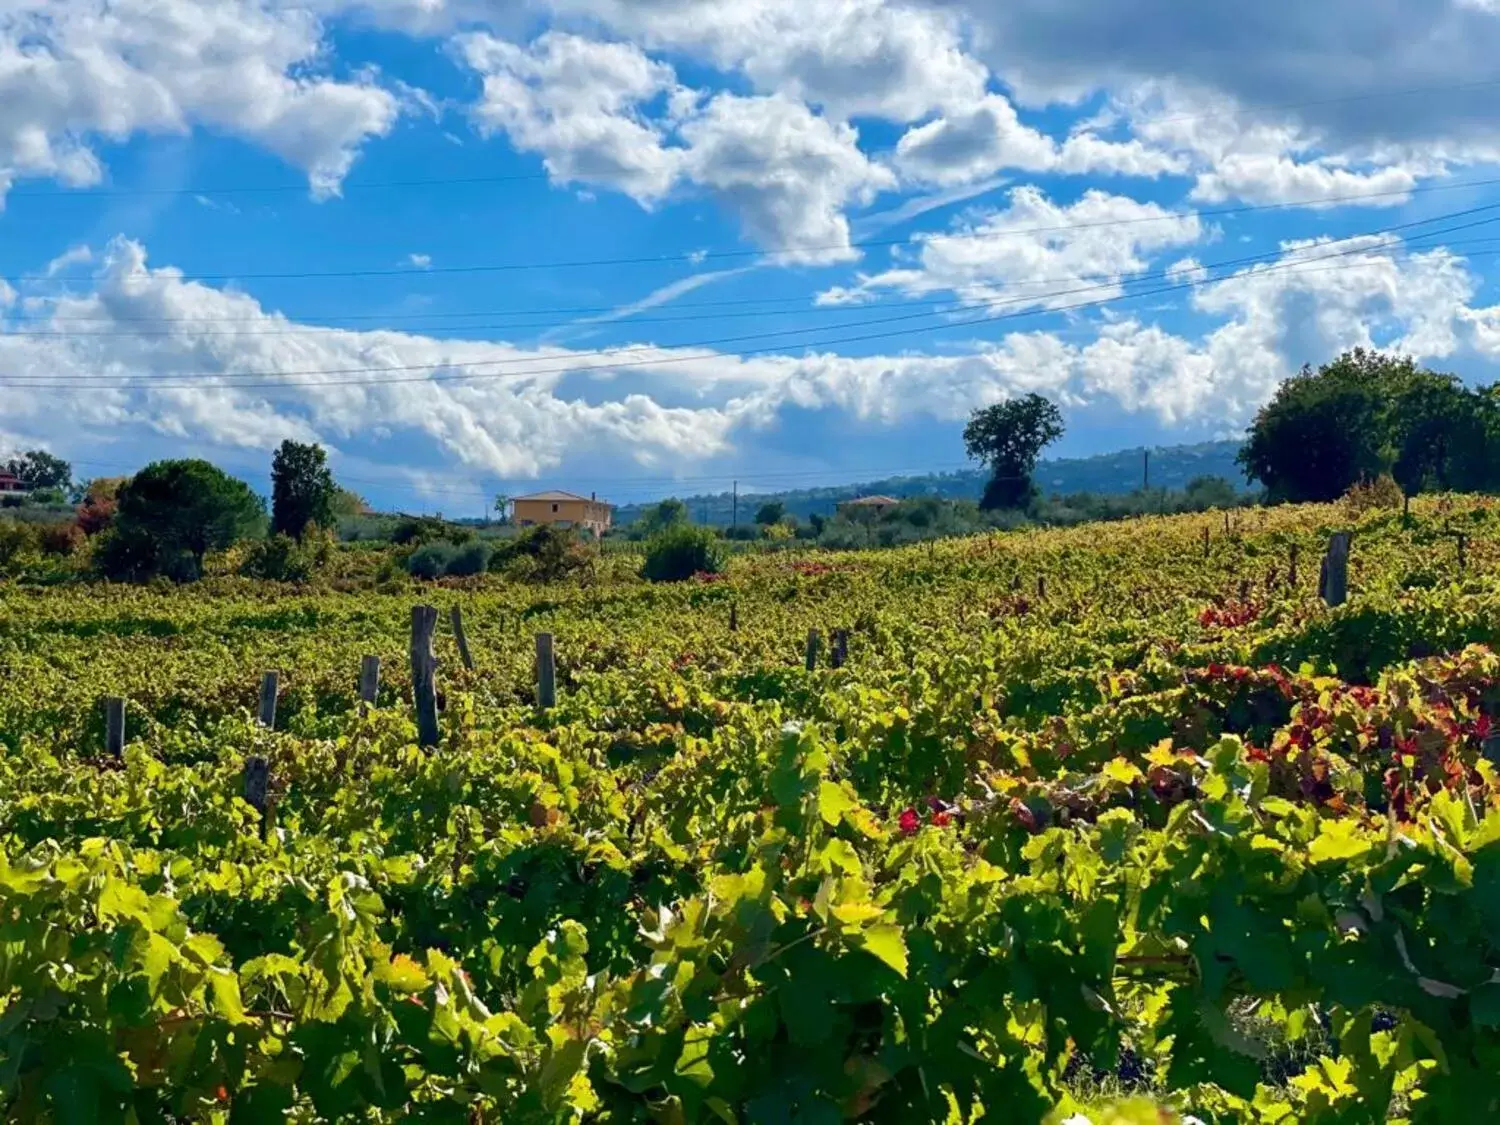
(1171, 467)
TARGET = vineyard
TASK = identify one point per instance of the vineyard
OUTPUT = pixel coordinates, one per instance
(1113, 824)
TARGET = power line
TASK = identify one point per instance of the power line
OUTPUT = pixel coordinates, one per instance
(283, 380)
(653, 363)
(771, 252)
(940, 306)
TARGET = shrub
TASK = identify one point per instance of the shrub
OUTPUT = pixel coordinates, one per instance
(17, 540)
(431, 560)
(543, 554)
(681, 552)
(62, 539)
(429, 529)
(280, 558)
(1369, 495)
(472, 558)
(100, 501)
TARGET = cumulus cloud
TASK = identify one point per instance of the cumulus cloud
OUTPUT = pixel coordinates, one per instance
(786, 172)
(1036, 252)
(578, 102)
(853, 58)
(74, 70)
(229, 374)
(987, 137)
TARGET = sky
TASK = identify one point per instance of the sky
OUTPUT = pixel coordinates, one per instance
(644, 247)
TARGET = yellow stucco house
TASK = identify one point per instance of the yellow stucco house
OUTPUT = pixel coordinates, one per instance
(563, 510)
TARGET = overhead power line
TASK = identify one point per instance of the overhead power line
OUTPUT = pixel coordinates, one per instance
(940, 306)
(285, 378)
(286, 382)
(772, 252)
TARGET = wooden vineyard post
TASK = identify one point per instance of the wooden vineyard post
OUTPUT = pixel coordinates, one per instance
(734, 617)
(1333, 582)
(258, 788)
(456, 617)
(1292, 575)
(1244, 590)
(114, 727)
(546, 672)
(424, 673)
(1205, 542)
(1463, 552)
(270, 685)
(1041, 586)
(1226, 521)
(369, 680)
(812, 649)
(840, 651)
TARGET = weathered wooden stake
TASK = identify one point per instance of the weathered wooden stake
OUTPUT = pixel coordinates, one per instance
(840, 651)
(734, 617)
(546, 672)
(1333, 582)
(1226, 521)
(114, 727)
(1406, 507)
(1205, 542)
(257, 788)
(369, 680)
(1244, 590)
(270, 685)
(1292, 574)
(1041, 586)
(456, 617)
(812, 649)
(1463, 549)
(424, 620)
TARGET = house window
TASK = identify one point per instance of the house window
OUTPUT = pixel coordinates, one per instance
(554, 509)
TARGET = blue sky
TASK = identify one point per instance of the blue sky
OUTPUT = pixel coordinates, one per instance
(651, 246)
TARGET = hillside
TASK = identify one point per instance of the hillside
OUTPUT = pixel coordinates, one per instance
(1120, 472)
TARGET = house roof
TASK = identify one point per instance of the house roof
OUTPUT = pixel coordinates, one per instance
(876, 500)
(555, 494)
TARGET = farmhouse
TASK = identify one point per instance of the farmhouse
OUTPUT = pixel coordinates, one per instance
(563, 510)
(874, 505)
(12, 485)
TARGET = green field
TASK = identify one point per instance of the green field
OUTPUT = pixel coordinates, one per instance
(1114, 816)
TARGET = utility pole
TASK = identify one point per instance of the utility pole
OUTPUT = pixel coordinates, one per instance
(1145, 470)
(735, 506)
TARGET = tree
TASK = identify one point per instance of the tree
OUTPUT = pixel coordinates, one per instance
(96, 511)
(1008, 438)
(39, 469)
(502, 507)
(1362, 415)
(172, 513)
(770, 512)
(302, 489)
(667, 514)
(348, 504)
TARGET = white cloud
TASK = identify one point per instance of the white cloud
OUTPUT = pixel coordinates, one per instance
(875, 58)
(1037, 253)
(987, 137)
(73, 70)
(78, 255)
(421, 261)
(578, 103)
(532, 412)
(787, 173)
